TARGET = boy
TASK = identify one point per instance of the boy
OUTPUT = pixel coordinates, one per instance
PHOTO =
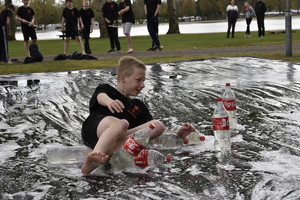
(125, 9)
(5, 16)
(114, 116)
(71, 17)
(110, 14)
(152, 8)
(87, 16)
(25, 14)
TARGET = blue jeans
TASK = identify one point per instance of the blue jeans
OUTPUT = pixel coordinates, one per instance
(152, 25)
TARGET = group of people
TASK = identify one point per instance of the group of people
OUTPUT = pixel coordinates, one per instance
(75, 22)
(259, 11)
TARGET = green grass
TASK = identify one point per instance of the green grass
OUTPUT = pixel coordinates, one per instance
(141, 43)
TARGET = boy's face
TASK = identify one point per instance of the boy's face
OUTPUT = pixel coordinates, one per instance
(134, 83)
(69, 4)
(25, 2)
(85, 4)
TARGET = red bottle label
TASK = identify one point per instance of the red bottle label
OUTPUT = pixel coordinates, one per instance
(132, 147)
(229, 104)
(142, 159)
(221, 123)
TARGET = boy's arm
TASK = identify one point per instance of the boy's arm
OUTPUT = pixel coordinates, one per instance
(8, 25)
(81, 26)
(92, 25)
(21, 20)
(32, 21)
(62, 24)
(124, 10)
(157, 10)
(113, 105)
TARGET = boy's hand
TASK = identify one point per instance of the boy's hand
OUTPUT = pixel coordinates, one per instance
(185, 130)
(115, 106)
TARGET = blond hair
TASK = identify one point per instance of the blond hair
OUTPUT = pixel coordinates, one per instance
(127, 64)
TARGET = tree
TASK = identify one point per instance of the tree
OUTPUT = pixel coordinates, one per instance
(45, 12)
(173, 19)
(102, 26)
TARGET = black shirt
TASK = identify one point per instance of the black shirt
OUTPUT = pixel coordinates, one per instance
(86, 16)
(110, 11)
(127, 16)
(135, 111)
(151, 6)
(3, 16)
(260, 8)
(71, 16)
(25, 13)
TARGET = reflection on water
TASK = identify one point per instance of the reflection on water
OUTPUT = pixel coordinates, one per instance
(45, 111)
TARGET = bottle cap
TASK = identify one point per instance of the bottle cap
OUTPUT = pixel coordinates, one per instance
(152, 126)
(202, 138)
(186, 141)
(168, 158)
(227, 84)
(219, 99)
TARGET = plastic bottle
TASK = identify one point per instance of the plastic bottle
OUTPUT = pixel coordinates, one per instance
(168, 140)
(229, 102)
(195, 137)
(67, 154)
(150, 157)
(124, 157)
(221, 128)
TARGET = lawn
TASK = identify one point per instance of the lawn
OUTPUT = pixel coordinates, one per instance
(141, 43)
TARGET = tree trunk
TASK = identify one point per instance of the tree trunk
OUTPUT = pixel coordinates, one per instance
(102, 26)
(12, 22)
(173, 20)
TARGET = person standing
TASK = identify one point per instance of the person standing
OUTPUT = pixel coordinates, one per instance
(110, 14)
(232, 15)
(125, 9)
(260, 9)
(249, 12)
(152, 8)
(87, 16)
(71, 16)
(25, 15)
(5, 17)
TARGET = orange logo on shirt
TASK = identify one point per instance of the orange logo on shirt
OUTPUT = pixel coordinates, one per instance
(28, 11)
(112, 6)
(134, 110)
(73, 13)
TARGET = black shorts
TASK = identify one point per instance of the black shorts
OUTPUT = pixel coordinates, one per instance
(72, 31)
(28, 32)
(89, 130)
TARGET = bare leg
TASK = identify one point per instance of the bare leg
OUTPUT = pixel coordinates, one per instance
(26, 46)
(33, 41)
(66, 45)
(112, 134)
(80, 44)
(128, 38)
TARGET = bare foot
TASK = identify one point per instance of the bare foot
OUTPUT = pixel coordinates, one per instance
(93, 160)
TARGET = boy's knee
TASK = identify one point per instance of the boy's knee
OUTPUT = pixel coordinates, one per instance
(123, 124)
(158, 130)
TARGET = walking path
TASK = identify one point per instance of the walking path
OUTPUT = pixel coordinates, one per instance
(190, 52)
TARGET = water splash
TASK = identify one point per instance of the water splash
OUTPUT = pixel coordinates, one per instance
(42, 111)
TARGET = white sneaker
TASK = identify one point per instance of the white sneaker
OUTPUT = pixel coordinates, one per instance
(245, 35)
(249, 36)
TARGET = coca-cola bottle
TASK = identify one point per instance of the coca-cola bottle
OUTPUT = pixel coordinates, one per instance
(150, 157)
(229, 102)
(195, 137)
(168, 140)
(221, 128)
(124, 157)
